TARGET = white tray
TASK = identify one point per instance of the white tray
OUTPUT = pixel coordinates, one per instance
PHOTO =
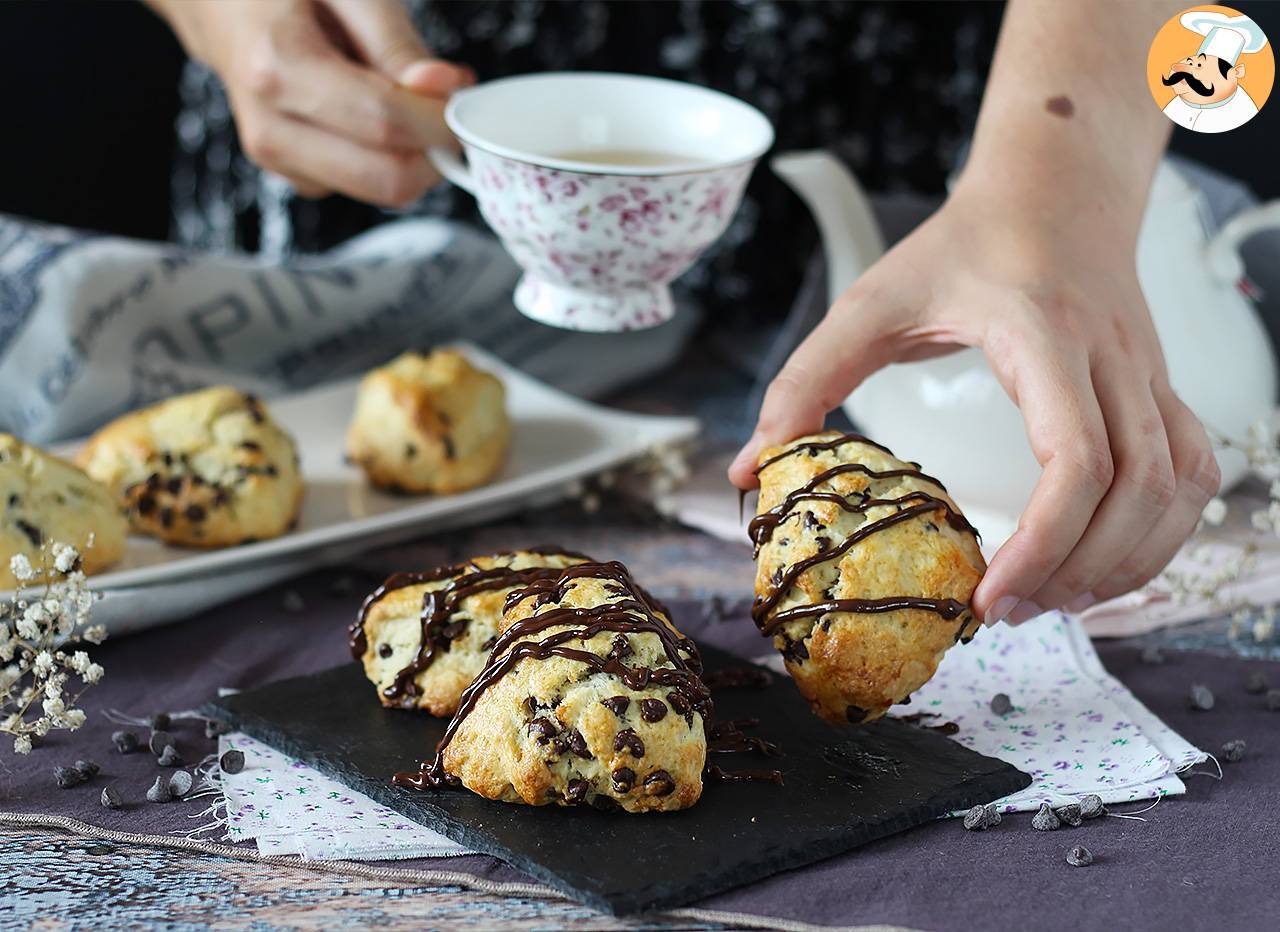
(556, 439)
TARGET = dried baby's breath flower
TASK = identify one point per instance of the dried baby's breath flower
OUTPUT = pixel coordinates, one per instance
(37, 632)
(1215, 512)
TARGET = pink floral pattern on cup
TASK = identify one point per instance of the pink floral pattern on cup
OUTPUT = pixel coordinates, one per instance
(600, 250)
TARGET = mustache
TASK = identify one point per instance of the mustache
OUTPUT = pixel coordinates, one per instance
(1202, 89)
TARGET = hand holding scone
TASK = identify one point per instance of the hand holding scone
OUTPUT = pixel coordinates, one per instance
(864, 572)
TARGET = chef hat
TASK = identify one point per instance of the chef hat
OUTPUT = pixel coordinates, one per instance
(1225, 36)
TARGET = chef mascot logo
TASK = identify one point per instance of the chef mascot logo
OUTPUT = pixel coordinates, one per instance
(1210, 69)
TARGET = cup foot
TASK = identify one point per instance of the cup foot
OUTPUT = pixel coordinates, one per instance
(576, 309)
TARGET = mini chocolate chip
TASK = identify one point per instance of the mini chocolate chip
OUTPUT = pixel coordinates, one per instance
(1091, 806)
(180, 783)
(126, 742)
(145, 505)
(194, 513)
(930, 526)
(616, 704)
(576, 791)
(777, 575)
(14, 500)
(169, 757)
(679, 703)
(270, 470)
(627, 739)
(32, 532)
(1070, 814)
(855, 714)
(159, 722)
(659, 783)
(454, 630)
(822, 544)
(578, 745)
(653, 710)
(1233, 750)
(1079, 857)
(110, 798)
(231, 762)
(174, 485)
(993, 815)
(449, 452)
(624, 778)
(385, 651)
(1200, 698)
(530, 705)
(160, 792)
(251, 445)
(166, 517)
(544, 728)
(1001, 704)
(67, 777)
(159, 741)
(621, 647)
(810, 521)
(975, 820)
(1045, 820)
(167, 457)
(410, 451)
(558, 746)
(88, 769)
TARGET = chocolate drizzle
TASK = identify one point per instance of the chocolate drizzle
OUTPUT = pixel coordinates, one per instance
(439, 607)
(761, 528)
(636, 613)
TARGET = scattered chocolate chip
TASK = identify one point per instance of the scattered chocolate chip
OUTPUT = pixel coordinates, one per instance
(270, 470)
(88, 769)
(194, 513)
(975, 820)
(822, 543)
(410, 451)
(993, 815)
(1079, 857)
(449, 452)
(213, 729)
(32, 532)
(385, 651)
(173, 485)
(1045, 820)
(169, 757)
(653, 710)
(578, 745)
(1091, 806)
(621, 648)
(628, 740)
(777, 575)
(855, 714)
(251, 445)
(1200, 698)
(126, 742)
(159, 722)
(544, 728)
(659, 783)
(558, 745)
(231, 762)
(14, 500)
(167, 457)
(159, 741)
(795, 650)
(1153, 656)
(110, 798)
(1233, 750)
(166, 517)
(180, 782)
(293, 602)
(624, 778)
(1255, 683)
(160, 792)
(145, 505)
(67, 777)
(1273, 700)
(616, 704)
(576, 791)
(1001, 704)
(1070, 814)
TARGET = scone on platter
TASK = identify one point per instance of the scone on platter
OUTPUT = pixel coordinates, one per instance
(45, 500)
(423, 637)
(207, 469)
(590, 697)
(864, 572)
(431, 423)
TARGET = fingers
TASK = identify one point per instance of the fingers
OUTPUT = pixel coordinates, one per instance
(298, 150)
(387, 40)
(841, 351)
(1068, 435)
(1198, 479)
(1143, 487)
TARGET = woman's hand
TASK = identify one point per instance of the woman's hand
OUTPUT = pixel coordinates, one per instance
(1054, 304)
(339, 95)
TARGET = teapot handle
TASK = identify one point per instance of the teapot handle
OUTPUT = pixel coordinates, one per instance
(1225, 263)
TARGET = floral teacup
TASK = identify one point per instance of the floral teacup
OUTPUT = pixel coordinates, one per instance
(603, 187)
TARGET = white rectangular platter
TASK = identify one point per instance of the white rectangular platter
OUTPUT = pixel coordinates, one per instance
(556, 439)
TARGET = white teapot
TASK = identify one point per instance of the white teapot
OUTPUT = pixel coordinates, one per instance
(952, 413)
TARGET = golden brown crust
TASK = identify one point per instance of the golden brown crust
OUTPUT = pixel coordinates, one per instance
(45, 500)
(393, 634)
(553, 731)
(852, 666)
(206, 469)
(430, 423)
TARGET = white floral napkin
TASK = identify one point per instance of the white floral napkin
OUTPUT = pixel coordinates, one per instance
(288, 808)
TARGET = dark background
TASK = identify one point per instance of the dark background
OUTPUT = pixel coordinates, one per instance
(90, 94)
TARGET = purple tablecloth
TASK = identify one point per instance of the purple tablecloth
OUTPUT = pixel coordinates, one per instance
(1205, 858)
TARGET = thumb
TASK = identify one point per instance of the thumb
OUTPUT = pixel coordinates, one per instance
(386, 38)
(831, 362)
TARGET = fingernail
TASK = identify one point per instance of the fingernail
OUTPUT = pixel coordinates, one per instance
(747, 455)
(1025, 611)
(1002, 607)
(1081, 602)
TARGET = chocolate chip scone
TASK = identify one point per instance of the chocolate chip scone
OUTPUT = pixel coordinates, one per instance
(590, 697)
(864, 572)
(208, 469)
(45, 500)
(423, 637)
(431, 423)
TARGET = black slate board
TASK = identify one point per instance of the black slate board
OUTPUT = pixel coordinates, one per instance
(844, 788)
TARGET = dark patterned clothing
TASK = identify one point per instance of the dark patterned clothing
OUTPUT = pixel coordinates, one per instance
(894, 88)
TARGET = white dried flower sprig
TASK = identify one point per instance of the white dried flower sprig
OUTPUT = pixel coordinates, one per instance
(37, 631)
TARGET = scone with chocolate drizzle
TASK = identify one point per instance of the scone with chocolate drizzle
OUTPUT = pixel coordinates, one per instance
(206, 469)
(423, 637)
(590, 697)
(864, 571)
